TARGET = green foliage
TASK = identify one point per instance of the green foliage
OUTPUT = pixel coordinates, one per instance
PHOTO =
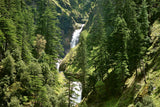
(8, 29)
(20, 68)
(40, 45)
(2, 40)
(111, 102)
(83, 105)
(48, 26)
(146, 102)
(100, 90)
(9, 66)
(106, 55)
(28, 72)
(14, 102)
(82, 62)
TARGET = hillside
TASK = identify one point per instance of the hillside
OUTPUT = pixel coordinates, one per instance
(72, 12)
(135, 91)
(79, 53)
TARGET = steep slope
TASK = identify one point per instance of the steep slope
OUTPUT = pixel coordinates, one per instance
(71, 13)
(137, 93)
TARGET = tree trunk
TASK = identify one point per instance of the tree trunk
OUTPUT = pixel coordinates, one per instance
(136, 72)
(69, 102)
(144, 73)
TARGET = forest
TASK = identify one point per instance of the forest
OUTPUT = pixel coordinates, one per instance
(79, 53)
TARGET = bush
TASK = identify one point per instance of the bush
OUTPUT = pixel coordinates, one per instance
(100, 90)
(14, 102)
(146, 102)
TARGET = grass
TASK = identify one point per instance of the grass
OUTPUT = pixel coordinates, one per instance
(155, 80)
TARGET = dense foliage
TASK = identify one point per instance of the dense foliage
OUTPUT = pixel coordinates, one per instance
(30, 44)
(113, 47)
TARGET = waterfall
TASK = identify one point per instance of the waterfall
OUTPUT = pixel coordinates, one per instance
(58, 64)
(75, 36)
(77, 85)
(77, 95)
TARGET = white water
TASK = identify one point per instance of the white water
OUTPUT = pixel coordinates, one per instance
(78, 85)
(78, 91)
(75, 36)
(58, 64)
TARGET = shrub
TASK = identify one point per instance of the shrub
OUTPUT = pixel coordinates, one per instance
(100, 90)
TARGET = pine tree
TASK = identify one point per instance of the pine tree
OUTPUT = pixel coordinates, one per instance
(2, 40)
(109, 15)
(145, 30)
(143, 18)
(134, 43)
(82, 62)
(117, 48)
(36, 82)
(8, 29)
(99, 57)
(8, 78)
(48, 26)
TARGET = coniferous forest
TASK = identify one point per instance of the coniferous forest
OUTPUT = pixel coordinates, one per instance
(79, 53)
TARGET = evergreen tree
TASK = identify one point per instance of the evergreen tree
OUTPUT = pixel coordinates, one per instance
(143, 18)
(36, 82)
(135, 39)
(117, 48)
(99, 57)
(8, 29)
(82, 59)
(109, 15)
(145, 30)
(7, 78)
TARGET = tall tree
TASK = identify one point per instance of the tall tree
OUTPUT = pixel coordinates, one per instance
(8, 29)
(134, 44)
(82, 59)
(117, 48)
(99, 53)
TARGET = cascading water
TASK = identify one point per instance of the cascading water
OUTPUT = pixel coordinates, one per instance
(58, 64)
(77, 85)
(75, 36)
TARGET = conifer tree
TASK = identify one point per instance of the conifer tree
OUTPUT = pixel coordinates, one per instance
(118, 51)
(135, 39)
(8, 29)
(99, 57)
(82, 59)
(109, 15)
(143, 18)
(36, 82)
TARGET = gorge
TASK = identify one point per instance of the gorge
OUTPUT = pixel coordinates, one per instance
(77, 86)
(50, 58)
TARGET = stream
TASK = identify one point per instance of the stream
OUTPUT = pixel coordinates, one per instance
(77, 86)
